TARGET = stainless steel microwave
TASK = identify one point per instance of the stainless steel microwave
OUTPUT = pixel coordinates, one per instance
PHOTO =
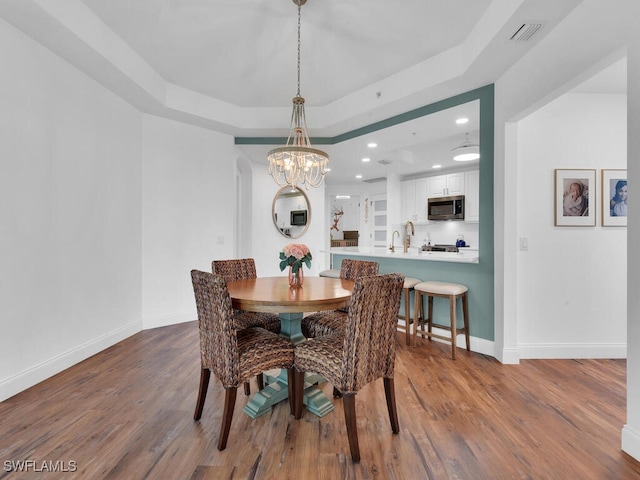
(446, 208)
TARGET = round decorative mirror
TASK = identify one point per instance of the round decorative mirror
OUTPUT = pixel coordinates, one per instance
(291, 212)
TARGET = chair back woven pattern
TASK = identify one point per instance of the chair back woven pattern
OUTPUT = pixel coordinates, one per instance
(236, 269)
(354, 269)
(243, 269)
(233, 355)
(218, 336)
(370, 337)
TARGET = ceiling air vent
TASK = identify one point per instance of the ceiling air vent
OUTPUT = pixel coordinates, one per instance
(376, 180)
(525, 32)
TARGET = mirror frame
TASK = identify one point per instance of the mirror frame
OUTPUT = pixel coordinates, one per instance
(273, 211)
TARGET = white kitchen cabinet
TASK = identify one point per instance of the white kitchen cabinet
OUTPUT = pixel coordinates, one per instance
(472, 196)
(421, 199)
(408, 192)
(414, 200)
(446, 185)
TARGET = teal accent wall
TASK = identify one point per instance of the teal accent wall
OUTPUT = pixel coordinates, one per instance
(479, 278)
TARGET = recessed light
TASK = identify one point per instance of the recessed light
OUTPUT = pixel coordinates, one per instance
(358, 176)
(366, 159)
(343, 197)
(372, 145)
(462, 121)
(437, 166)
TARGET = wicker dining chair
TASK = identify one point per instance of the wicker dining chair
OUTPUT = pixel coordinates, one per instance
(364, 352)
(242, 269)
(330, 321)
(233, 355)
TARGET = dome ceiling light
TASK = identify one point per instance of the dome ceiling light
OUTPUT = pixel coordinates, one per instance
(467, 151)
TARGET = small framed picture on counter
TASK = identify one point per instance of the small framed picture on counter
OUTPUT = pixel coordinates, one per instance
(575, 197)
(614, 198)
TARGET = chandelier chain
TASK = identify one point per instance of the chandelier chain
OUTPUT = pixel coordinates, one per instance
(299, 8)
(298, 163)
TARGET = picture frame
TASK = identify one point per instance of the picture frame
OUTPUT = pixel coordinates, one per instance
(575, 197)
(614, 198)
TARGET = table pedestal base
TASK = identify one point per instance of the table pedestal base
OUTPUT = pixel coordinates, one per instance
(276, 388)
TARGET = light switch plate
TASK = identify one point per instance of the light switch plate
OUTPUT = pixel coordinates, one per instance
(524, 243)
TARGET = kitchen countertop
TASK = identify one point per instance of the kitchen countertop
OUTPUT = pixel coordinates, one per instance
(465, 255)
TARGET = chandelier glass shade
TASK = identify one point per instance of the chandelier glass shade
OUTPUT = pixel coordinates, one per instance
(298, 163)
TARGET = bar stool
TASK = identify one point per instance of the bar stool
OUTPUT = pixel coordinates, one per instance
(452, 291)
(332, 273)
(407, 288)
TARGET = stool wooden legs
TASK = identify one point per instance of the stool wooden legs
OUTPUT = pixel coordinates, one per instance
(428, 319)
(465, 313)
(408, 319)
(452, 316)
(407, 315)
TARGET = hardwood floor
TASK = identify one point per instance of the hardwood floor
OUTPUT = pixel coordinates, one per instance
(127, 413)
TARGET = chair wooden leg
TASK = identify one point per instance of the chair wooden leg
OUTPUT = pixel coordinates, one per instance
(298, 383)
(390, 394)
(227, 416)
(465, 314)
(260, 380)
(349, 401)
(205, 374)
(293, 391)
(247, 388)
(454, 334)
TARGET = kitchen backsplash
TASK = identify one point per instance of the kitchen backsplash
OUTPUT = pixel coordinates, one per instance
(443, 233)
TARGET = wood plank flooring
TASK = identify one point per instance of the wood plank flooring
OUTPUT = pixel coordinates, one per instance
(126, 413)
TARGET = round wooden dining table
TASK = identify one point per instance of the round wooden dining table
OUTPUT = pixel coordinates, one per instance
(273, 294)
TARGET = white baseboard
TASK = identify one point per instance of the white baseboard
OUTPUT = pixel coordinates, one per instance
(27, 378)
(164, 320)
(508, 356)
(631, 442)
(477, 345)
(573, 350)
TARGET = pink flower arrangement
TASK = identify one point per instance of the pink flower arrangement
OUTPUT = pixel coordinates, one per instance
(294, 255)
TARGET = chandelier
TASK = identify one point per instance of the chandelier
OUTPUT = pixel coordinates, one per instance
(298, 163)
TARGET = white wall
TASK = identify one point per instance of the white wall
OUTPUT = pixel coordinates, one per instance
(365, 192)
(631, 430)
(188, 209)
(571, 280)
(350, 220)
(70, 207)
(267, 240)
(535, 80)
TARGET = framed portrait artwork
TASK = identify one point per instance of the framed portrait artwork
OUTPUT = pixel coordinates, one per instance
(575, 198)
(614, 198)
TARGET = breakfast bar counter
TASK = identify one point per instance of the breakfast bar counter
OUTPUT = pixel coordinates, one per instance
(465, 255)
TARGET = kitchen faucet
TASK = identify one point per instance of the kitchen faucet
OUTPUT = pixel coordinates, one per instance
(407, 238)
(393, 247)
